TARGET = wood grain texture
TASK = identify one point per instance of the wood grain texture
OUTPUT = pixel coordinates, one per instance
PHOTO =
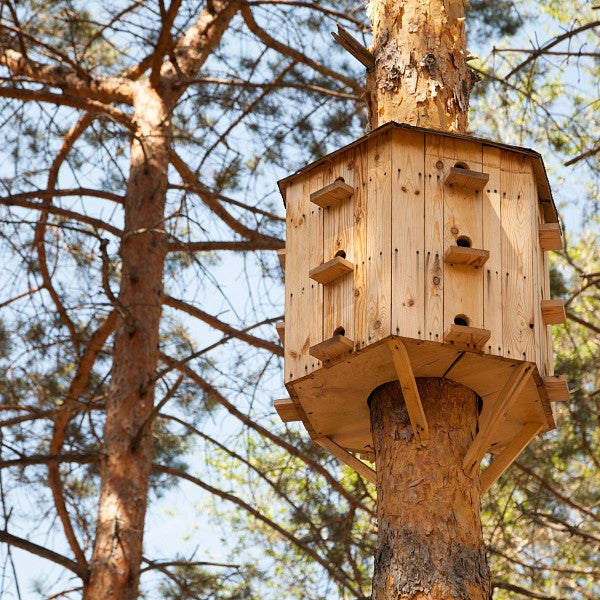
(378, 282)
(466, 179)
(550, 237)
(463, 289)
(332, 347)
(332, 194)
(517, 213)
(287, 410)
(492, 241)
(408, 234)
(338, 237)
(434, 240)
(331, 270)
(361, 178)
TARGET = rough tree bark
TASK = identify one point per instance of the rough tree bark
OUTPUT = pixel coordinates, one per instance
(430, 544)
(421, 76)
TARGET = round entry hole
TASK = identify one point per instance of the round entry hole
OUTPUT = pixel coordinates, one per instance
(463, 241)
(339, 331)
(461, 320)
(341, 253)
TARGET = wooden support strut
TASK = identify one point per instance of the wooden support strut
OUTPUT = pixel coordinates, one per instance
(495, 412)
(410, 391)
(349, 459)
(508, 455)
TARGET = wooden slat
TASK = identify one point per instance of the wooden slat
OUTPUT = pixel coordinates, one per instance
(434, 240)
(347, 458)
(280, 328)
(287, 410)
(303, 297)
(468, 257)
(338, 294)
(492, 241)
(553, 312)
(463, 218)
(518, 214)
(331, 270)
(550, 236)
(471, 338)
(281, 257)
(466, 179)
(378, 284)
(332, 194)
(408, 234)
(410, 391)
(332, 348)
(360, 203)
(557, 388)
(508, 455)
(494, 413)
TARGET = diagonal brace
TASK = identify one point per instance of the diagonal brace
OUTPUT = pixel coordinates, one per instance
(410, 391)
(494, 414)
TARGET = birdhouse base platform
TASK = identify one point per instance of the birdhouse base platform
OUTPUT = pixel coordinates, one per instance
(332, 402)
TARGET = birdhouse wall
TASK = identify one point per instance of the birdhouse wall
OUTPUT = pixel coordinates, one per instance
(397, 228)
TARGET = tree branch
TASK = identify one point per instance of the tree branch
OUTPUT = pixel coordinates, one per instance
(179, 246)
(221, 326)
(340, 576)
(536, 53)
(210, 199)
(107, 90)
(164, 45)
(59, 559)
(271, 42)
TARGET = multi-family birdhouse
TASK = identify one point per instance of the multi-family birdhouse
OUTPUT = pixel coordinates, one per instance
(418, 253)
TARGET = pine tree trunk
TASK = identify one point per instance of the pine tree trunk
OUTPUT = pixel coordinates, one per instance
(430, 544)
(421, 75)
(127, 457)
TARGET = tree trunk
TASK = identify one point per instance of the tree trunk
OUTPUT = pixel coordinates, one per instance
(127, 455)
(430, 544)
(421, 75)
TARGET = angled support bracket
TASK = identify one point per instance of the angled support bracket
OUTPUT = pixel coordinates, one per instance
(410, 391)
(354, 463)
(508, 455)
(494, 413)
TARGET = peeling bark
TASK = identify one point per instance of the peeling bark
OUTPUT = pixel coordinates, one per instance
(430, 543)
(421, 76)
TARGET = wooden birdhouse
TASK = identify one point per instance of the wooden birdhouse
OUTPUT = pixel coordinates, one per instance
(418, 253)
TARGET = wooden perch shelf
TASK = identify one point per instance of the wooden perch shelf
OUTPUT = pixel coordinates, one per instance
(550, 236)
(332, 195)
(281, 257)
(557, 388)
(287, 410)
(553, 312)
(332, 348)
(469, 257)
(464, 178)
(471, 338)
(280, 328)
(331, 270)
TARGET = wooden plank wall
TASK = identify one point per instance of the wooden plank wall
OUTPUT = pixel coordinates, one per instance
(303, 296)
(378, 283)
(361, 179)
(519, 214)
(492, 241)
(463, 216)
(408, 233)
(338, 221)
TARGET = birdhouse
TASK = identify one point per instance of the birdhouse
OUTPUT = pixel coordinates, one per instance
(418, 253)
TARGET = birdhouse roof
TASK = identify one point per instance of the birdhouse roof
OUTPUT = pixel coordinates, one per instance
(543, 186)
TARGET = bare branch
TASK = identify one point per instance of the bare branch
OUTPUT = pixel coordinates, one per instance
(164, 45)
(336, 574)
(179, 246)
(224, 327)
(104, 90)
(295, 54)
(211, 200)
(536, 53)
(67, 100)
(38, 550)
